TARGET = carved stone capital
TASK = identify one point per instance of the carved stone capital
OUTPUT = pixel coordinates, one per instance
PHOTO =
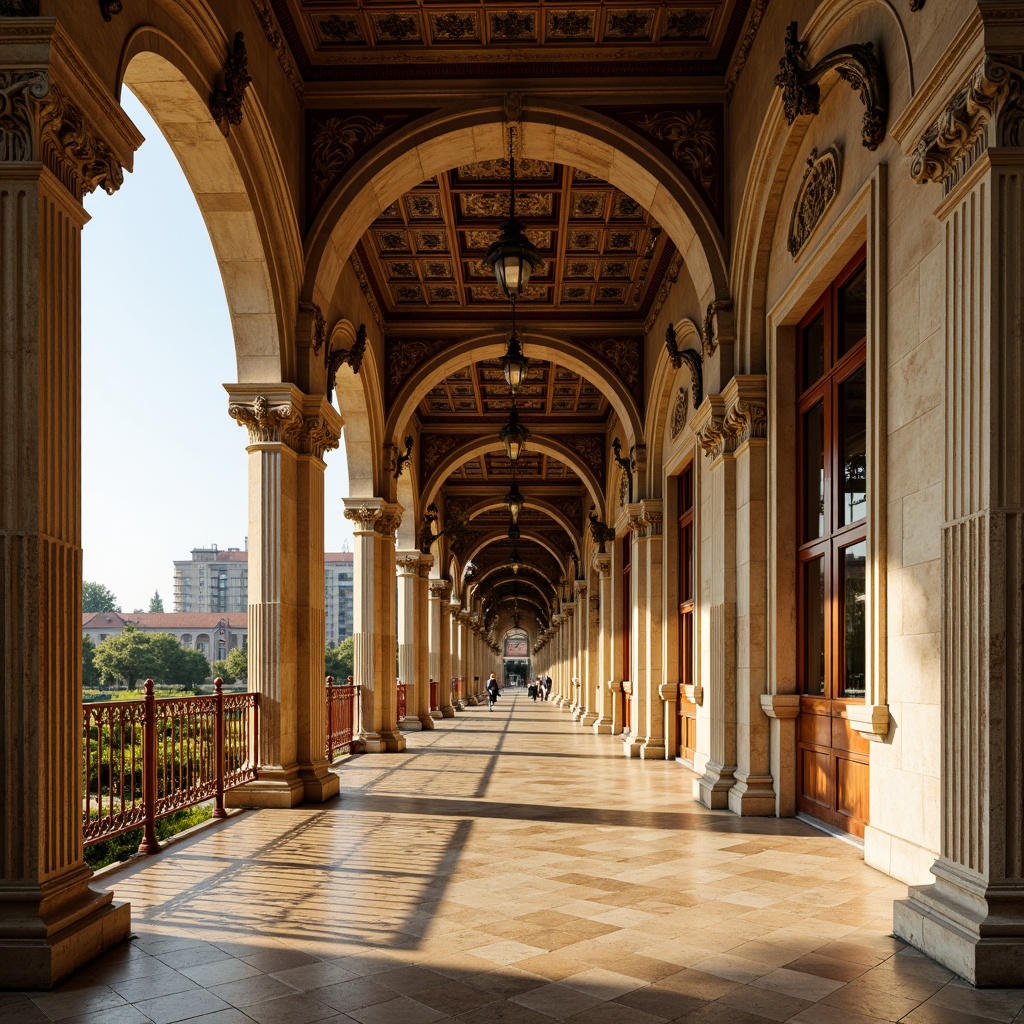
(426, 564)
(710, 427)
(315, 324)
(986, 111)
(389, 520)
(746, 399)
(440, 590)
(603, 565)
(645, 519)
(407, 563)
(265, 416)
(363, 512)
(580, 588)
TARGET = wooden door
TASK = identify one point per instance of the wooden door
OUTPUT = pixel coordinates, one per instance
(832, 759)
(687, 723)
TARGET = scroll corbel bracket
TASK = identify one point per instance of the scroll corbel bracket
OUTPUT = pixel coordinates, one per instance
(717, 323)
(338, 357)
(226, 103)
(600, 531)
(691, 357)
(626, 464)
(855, 64)
(399, 462)
(108, 8)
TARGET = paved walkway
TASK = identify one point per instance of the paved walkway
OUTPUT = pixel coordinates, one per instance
(510, 868)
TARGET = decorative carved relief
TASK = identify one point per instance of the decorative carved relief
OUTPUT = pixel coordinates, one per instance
(266, 423)
(19, 8)
(960, 135)
(336, 140)
(625, 355)
(108, 8)
(364, 287)
(817, 190)
(311, 435)
(268, 22)
(388, 522)
(680, 412)
(590, 449)
(671, 276)
(601, 532)
(440, 589)
(317, 325)
(711, 328)
(20, 92)
(739, 62)
(408, 564)
(855, 64)
(645, 522)
(746, 420)
(364, 516)
(335, 359)
(226, 103)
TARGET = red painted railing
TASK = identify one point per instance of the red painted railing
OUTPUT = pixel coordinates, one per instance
(402, 709)
(435, 695)
(143, 759)
(341, 717)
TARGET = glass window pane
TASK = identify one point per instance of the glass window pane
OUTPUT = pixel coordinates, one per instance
(852, 427)
(854, 633)
(814, 627)
(853, 310)
(686, 563)
(814, 472)
(812, 348)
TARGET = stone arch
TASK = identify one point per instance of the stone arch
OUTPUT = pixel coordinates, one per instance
(492, 346)
(491, 442)
(525, 574)
(483, 540)
(489, 504)
(357, 397)
(258, 248)
(771, 165)
(550, 131)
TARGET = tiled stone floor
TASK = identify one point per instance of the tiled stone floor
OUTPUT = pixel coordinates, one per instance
(510, 868)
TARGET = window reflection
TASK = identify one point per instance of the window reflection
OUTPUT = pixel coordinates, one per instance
(814, 472)
(813, 348)
(852, 398)
(854, 632)
(814, 627)
(853, 311)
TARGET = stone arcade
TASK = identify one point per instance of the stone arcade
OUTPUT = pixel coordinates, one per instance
(773, 490)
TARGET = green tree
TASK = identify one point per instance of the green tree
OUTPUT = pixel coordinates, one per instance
(97, 598)
(156, 602)
(175, 665)
(220, 670)
(238, 662)
(340, 659)
(126, 657)
(90, 674)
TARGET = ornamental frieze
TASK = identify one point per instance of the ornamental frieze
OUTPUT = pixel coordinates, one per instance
(433, 449)
(403, 357)
(337, 138)
(818, 188)
(692, 135)
(590, 449)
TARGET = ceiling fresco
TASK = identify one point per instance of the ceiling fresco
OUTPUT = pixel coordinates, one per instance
(401, 39)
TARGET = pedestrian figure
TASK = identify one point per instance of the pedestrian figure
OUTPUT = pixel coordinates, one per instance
(531, 690)
(492, 691)
(547, 687)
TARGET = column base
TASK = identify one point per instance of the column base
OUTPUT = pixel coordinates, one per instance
(712, 788)
(448, 712)
(976, 931)
(436, 716)
(411, 724)
(472, 701)
(394, 741)
(275, 787)
(752, 795)
(368, 743)
(459, 706)
(319, 784)
(631, 745)
(41, 944)
(653, 750)
(427, 721)
(602, 727)
(588, 718)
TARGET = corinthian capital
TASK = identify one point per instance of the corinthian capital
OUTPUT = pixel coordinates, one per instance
(266, 418)
(440, 589)
(363, 513)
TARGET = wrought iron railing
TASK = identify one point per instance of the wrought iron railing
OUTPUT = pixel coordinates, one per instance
(144, 759)
(341, 716)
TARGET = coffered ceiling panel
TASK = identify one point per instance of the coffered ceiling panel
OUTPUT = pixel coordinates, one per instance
(346, 39)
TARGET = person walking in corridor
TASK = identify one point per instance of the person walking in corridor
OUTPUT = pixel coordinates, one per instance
(547, 687)
(492, 691)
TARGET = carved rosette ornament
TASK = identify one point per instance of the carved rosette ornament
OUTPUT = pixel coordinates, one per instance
(986, 111)
(266, 423)
(226, 103)
(855, 64)
(817, 190)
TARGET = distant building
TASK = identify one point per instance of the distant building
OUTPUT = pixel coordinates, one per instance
(210, 633)
(216, 581)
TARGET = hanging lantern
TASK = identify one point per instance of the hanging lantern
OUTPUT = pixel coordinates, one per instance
(514, 435)
(513, 532)
(514, 562)
(514, 500)
(513, 363)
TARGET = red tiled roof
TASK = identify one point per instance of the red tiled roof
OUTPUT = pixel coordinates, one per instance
(337, 556)
(166, 620)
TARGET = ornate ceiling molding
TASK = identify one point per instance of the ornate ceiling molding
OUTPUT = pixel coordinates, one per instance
(226, 102)
(986, 111)
(268, 22)
(855, 64)
(692, 135)
(817, 190)
(671, 276)
(739, 61)
(19, 8)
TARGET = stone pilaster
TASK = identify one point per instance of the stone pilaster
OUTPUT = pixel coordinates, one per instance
(373, 620)
(408, 565)
(718, 441)
(605, 624)
(455, 646)
(746, 399)
(568, 673)
(440, 644)
(972, 918)
(62, 134)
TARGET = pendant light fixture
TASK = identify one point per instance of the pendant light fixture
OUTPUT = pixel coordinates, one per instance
(513, 257)
(514, 500)
(513, 363)
(514, 435)
(514, 562)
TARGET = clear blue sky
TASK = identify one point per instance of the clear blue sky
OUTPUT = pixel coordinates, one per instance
(163, 465)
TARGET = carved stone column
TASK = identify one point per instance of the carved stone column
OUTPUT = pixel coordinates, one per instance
(718, 442)
(373, 620)
(288, 435)
(568, 673)
(972, 918)
(557, 620)
(440, 644)
(62, 134)
(455, 646)
(584, 614)
(468, 666)
(602, 721)
(422, 633)
(645, 521)
(408, 566)
(746, 419)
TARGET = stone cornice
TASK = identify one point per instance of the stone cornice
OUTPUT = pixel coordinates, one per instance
(282, 414)
(54, 110)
